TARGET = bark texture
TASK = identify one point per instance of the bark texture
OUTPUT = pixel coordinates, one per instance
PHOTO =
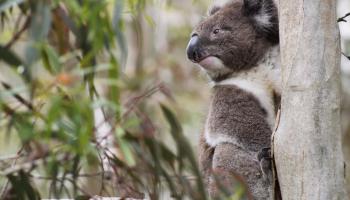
(307, 145)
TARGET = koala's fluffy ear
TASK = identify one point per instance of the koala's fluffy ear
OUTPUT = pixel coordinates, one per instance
(217, 5)
(213, 10)
(265, 17)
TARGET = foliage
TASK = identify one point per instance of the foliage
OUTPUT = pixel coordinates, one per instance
(69, 45)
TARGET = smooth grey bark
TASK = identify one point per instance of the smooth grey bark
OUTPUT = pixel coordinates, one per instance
(307, 144)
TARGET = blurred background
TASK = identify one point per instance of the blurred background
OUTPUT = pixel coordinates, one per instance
(156, 40)
(152, 58)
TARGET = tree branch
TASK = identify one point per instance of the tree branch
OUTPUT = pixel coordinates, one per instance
(348, 57)
(18, 97)
(342, 19)
(18, 34)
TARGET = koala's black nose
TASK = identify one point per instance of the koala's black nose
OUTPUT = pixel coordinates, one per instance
(193, 50)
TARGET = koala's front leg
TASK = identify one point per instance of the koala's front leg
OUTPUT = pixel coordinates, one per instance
(231, 163)
(265, 160)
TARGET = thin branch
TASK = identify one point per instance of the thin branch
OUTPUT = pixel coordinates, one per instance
(62, 180)
(7, 159)
(348, 57)
(19, 98)
(18, 34)
(80, 176)
(133, 102)
(102, 188)
(4, 189)
(32, 164)
(342, 19)
(9, 111)
(130, 105)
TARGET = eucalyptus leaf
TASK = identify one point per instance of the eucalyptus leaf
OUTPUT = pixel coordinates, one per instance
(9, 57)
(38, 31)
(50, 59)
(117, 26)
(5, 4)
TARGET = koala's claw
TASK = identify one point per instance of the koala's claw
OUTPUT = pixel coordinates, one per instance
(264, 153)
(264, 158)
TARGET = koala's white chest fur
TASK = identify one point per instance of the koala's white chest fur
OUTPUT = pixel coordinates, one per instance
(262, 82)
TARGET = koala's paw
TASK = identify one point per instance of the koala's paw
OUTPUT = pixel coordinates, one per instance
(265, 161)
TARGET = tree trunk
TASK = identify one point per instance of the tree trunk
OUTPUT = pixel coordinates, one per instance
(307, 144)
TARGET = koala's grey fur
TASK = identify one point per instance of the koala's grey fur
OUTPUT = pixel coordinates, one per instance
(238, 118)
(237, 45)
(238, 115)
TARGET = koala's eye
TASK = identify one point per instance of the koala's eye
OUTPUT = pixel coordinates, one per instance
(216, 31)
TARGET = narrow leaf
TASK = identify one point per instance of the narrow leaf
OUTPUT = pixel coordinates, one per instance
(9, 57)
(5, 4)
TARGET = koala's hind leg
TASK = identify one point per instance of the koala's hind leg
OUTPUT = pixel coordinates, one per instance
(230, 161)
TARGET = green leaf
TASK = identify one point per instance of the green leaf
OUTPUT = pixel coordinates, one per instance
(50, 59)
(125, 147)
(31, 193)
(176, 129)
(5, 4)
(16, 186)
(165, 153)
(22, 186)
(117, 26)
(184, 148)
(9, 57)
(38, 31)
(114, 90)
(83, 197)
(150, 20)
(24, 126)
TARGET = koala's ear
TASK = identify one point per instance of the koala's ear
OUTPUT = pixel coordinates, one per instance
(264, 16)
(212, 10)
(217, 5)
(252, 7)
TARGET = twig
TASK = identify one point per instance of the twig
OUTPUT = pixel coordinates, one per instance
(9, 111)
(3, 159)
(348, 57)
(27, 165)
(342, 19)
(18, 34)
(133, 102)
(22, 100)
(80, 176)
(131, 105)
(7, 159)
(32, 164)
(149, 128)
(61, 180)
(19, 98)
(4, 189)
(18, 22)
(102, 188)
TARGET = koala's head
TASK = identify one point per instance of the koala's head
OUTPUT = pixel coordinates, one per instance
(234, 37)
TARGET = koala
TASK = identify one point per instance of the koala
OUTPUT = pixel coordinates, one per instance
(237, 45)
